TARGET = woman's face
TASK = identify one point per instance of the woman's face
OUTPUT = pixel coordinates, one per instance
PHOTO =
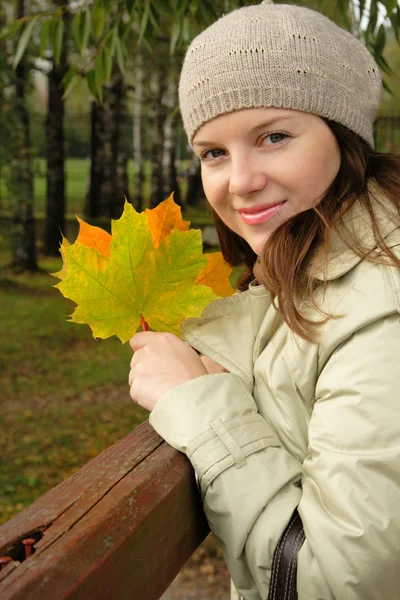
(261, 166)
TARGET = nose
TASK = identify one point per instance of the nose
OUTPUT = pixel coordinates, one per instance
(246, 176)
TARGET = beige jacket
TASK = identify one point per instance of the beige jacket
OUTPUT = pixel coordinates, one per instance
(295, 424)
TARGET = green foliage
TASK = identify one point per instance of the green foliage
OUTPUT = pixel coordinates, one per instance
(24, 39)
(102, 30)
(58, 33)
(391, 102)
(375, 36)
(44, 37)
(81, 29)
(99, 17)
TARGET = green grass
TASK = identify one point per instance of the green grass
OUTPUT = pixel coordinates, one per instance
(64, 395)
(38, 336)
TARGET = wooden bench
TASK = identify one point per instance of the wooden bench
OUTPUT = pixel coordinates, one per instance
(121, 527)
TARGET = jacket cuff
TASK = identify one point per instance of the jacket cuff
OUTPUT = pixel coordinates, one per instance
(214, 420)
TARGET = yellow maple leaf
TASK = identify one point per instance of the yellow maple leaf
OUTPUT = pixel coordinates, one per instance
(63, 272)
(150, 270)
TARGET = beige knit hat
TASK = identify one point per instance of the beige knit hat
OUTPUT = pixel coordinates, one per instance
(283, 56)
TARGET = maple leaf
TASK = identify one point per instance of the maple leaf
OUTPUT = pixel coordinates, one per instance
(63, 272)
(151, 268)
(163, 219)
(94, 237)
(216, 275)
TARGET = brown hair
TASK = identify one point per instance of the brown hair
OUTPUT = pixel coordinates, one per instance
(287, 254)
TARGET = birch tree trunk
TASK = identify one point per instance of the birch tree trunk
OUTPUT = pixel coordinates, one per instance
(92, 209)
(137, 133)
(23, 234)
(55, 214)
(157, 89)
(170, 181)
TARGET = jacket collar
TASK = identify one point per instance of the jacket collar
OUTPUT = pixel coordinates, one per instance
(357, 223)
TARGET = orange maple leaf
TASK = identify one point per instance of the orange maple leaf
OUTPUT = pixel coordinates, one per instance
(94, 237)
(164, 218)
(216, 275)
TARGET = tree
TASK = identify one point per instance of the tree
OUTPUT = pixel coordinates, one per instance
(170, 134)
(21, 174)
(157, 116)
(138, 156)
(109, 180)
(55, 152)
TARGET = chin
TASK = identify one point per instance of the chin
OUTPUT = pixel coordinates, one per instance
(257, 246)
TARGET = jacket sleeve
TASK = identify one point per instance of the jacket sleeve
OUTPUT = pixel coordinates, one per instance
(347, 490)
(249, 482)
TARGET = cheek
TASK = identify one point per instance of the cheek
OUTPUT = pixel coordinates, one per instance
(312, 173)
(326, 168)
(215, 191)
(327, 159)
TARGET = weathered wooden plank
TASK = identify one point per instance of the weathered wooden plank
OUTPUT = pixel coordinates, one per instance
(119, 535)
(85, 487)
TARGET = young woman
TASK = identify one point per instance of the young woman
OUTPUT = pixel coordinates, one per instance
(285, 396)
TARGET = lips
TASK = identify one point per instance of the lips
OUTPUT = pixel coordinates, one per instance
(260, 214)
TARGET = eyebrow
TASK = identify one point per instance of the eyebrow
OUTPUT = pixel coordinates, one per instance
(255, 129)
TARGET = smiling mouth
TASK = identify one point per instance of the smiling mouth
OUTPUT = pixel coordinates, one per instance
(258, 217)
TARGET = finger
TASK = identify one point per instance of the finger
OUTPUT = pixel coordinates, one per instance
(131, 377)
(135, 359)
(132, 394)
(141, 339)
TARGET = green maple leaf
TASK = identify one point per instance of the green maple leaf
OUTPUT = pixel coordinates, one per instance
(136, 273)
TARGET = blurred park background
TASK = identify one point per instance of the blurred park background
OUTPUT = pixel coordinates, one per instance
(89, 116)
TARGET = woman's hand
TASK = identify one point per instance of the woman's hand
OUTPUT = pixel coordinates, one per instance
(160, 362)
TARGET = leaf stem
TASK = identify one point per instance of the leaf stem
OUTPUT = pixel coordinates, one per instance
(143, 323)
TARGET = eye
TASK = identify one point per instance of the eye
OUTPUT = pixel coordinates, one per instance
(212, 154)
(271, 139)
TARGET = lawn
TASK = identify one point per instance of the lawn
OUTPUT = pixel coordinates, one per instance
(64, 395)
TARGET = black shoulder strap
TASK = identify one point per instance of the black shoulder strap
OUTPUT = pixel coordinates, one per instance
(284, 564)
